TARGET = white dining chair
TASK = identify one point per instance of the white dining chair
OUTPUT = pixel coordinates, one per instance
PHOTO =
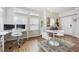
(46, 36)
(49, 39)
(60, 33)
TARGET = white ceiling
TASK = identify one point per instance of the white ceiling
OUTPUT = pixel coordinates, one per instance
(54, 9)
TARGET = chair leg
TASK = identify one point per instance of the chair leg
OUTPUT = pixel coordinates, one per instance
(23, 42)
(47, 42)
(19, 46)
(18, 42)
(10, 47)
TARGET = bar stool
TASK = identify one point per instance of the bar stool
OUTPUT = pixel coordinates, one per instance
(17, 33)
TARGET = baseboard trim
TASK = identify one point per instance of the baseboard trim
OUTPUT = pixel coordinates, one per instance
(72, 36)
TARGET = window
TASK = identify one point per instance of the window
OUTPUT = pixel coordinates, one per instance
(34, 13)
(34, 23)
(30, 18)
(20, 10)
(21, 19)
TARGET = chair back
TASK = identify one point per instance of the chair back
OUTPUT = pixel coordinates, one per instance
(60, 33)
(45, 35)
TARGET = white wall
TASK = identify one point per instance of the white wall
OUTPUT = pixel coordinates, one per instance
(1, 24)
(67, 19)
(66, 25)
(1, 18)
(75, 26)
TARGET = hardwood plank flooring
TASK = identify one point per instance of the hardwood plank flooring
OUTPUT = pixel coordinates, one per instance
(74, 40)
(31, 45)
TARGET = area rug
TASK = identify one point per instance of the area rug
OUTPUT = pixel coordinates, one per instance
(63, 46)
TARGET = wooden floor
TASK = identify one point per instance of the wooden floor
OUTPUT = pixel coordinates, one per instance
(74, 40)
(31, 45)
